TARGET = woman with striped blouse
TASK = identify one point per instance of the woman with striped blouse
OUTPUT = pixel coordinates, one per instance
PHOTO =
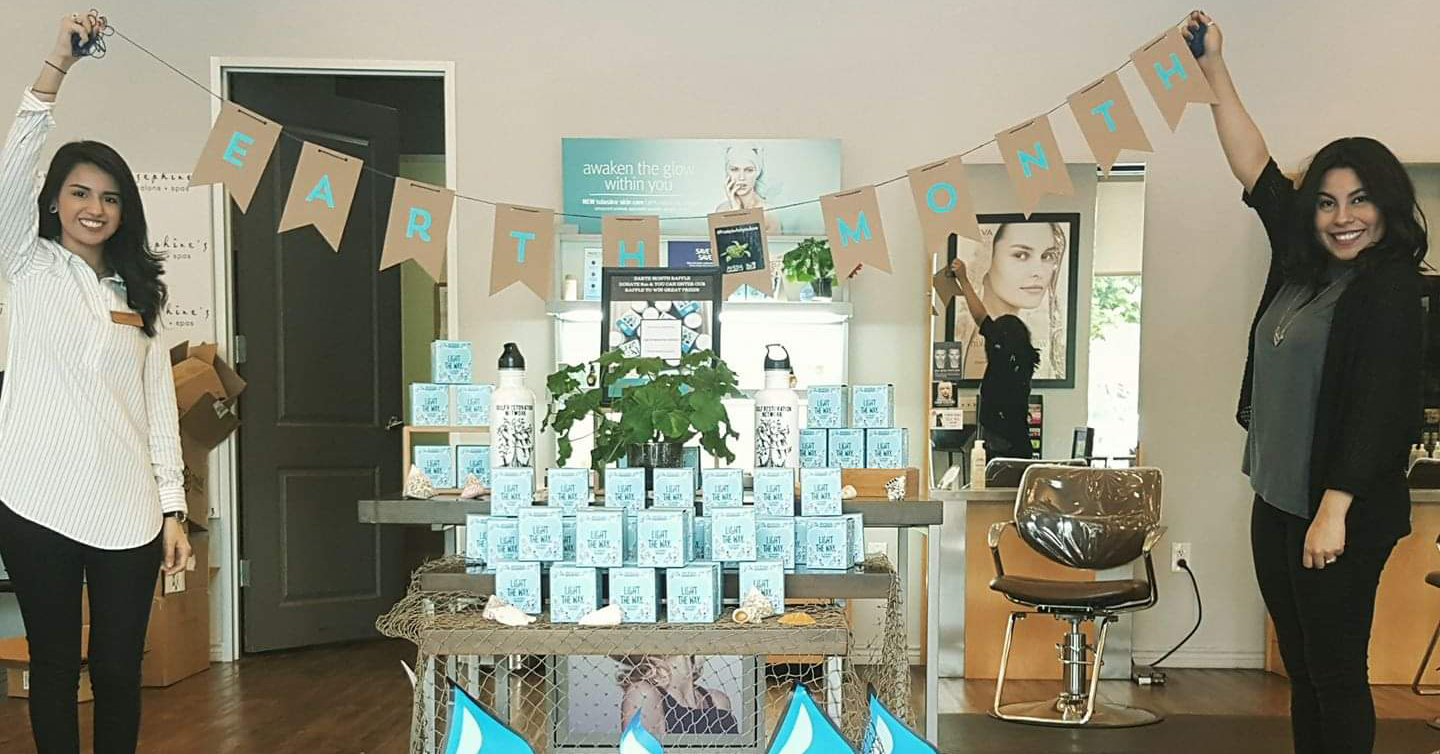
(90, 468)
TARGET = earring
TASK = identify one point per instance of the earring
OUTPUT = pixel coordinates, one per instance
(53, 209)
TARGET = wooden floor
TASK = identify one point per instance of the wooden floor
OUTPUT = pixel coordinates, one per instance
(355, 700)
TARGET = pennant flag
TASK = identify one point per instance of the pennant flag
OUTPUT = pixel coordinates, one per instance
(804, 729)
(631, 240)
(1033, 159)
(321, 193)
(886, 734)
(942, 198)
(637, 740)
(946, 285)
(1171, 74)
(1108, 120)
(737, 239)
(475, 731)
(852, 223)
(524, 249)
(236, 152)
(419, 226)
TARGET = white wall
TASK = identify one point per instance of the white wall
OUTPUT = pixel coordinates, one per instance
(900, 83)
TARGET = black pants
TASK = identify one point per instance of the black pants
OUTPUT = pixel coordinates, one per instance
(47, 570)
(1322, 624)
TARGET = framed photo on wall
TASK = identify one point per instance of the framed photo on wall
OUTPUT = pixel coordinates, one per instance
(1026, 267)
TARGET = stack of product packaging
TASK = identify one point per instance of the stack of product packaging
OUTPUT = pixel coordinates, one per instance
(658, 553)
(853, 427)
(452, 400)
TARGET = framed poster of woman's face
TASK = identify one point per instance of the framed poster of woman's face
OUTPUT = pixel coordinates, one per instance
(1026, 267)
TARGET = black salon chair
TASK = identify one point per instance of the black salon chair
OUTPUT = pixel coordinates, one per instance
(1087, 519)
(1433, 579)
(1007, 472)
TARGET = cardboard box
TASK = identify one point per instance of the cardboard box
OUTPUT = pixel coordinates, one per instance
(814, 448)
(472, 460)
(438, 463)
(732, 534)
(17, 684)
(451, 362)
(542, 534)
(178, 637)
(723, 488)
(625, 489)
(775, 492)
(574, 592)
(206, 391)
(600, 538)
(775, 540)
(429, 405)
(827, 543)
(675, 488)
(519, 585)
(472, 404)
(477, 527)
(887, 448)
(768, 576)
(827, 406)
(502, 539)
(820, 492)
(569, 488)
(512, 488)
(635, 590)
(847, 448)
(872, 406)
(691, 593)
(667, 538)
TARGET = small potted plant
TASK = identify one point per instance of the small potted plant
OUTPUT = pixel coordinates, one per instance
(810, 262)
(649, 422)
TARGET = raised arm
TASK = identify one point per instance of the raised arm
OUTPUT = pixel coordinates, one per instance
(1240, 138)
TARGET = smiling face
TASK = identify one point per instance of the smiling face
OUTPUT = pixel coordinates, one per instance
(1346, 221)
(1023, 263)
(88, 206)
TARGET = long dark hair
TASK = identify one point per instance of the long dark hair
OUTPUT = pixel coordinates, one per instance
(127, 252)
(1390, 190)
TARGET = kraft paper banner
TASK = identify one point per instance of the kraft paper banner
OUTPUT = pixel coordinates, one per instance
(946, 285)
(942, 198)
(1172, 75)
(1108, 120)
(737, 239)
(321, 193)
(631, 240)
(524, 249)
(1033, 159)
(852, 223)
(236, 152)
(419, 226)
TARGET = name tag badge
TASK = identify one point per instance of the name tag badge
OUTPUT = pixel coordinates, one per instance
(126, 318)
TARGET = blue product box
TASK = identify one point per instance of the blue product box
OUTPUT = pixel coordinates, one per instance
(600, 538)
(574, 592)
(702, 537)
(775, 539)
(872, 406)
(502, 540)
(472, 460)
(820, 492)
(632, 537)
(724, 488)
(732, 534)
(667, 538)
(438, 463)
(827, 407)
(451, 362)
(675, 488)
(814, 448)
(569, 489)
(690, 594)
(519, 584)
(472, 404)
(634, 589)
(625, 489)
(827, 543)
(857, 536)
(769, 577)
(569, 526)
(775, 492)
(542, 534)
(802, 534)
(513, 488)
(847, 448)
(477, 527)
(429, 405)
(887, 448)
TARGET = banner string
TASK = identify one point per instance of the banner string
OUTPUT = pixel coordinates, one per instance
(381, 173)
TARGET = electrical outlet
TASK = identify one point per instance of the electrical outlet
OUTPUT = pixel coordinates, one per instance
(1180, 551)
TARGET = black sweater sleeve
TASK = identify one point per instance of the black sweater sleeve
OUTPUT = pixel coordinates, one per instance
(1273, 199)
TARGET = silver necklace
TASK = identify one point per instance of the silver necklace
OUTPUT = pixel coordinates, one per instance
(1288, 319)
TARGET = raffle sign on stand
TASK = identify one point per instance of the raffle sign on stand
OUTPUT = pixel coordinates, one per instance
(660, 313)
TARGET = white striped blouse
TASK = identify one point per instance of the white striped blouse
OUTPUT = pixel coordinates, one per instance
(89, 438)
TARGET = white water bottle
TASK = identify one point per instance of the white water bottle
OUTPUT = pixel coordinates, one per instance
(512, 414)
(777, 414)
(977, 466)
(1416, 453)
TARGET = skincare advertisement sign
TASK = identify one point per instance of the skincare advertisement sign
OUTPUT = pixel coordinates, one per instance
(695, 177)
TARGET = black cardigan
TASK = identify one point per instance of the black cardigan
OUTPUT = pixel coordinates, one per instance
(1370, 406)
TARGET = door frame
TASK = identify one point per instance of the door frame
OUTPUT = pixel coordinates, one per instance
(224, 469)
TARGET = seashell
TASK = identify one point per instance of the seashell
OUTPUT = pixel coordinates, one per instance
(753, 608)
(498, 610)
(848, 492)
(895, 489)
(418, 486)
(473, 488)
(606, 616)
(796, 619)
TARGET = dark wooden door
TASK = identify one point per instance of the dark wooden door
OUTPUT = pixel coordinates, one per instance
(323, 363)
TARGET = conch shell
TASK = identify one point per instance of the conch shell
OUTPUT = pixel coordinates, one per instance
(753, 608)
(606, 616)
(848, 492)
(895, 489)
(473, 488)
(498, 610)
(418, 486)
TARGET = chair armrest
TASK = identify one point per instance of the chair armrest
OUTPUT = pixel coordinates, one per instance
(1153, 536)
(993, 539)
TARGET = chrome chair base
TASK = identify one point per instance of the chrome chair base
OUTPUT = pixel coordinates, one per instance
(1056, 713)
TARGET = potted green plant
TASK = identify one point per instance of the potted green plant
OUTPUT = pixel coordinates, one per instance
(810, 262)
(649, 421)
